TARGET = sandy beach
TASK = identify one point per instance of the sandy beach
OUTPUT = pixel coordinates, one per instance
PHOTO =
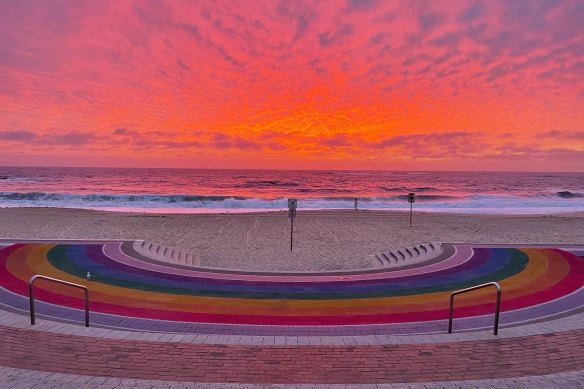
(323, 240)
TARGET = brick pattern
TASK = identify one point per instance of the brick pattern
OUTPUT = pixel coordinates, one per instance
(501, 358)
(18, 378)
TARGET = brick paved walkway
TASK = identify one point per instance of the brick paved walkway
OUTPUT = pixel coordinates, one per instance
(541, 345)
(176, 361)
(18, 378)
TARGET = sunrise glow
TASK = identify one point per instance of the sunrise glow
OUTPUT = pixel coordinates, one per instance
(357, 84)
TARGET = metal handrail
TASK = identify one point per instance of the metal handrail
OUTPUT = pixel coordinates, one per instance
(31, 295)
(497, 308)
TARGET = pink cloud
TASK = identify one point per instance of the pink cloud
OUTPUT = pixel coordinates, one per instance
(273, 79)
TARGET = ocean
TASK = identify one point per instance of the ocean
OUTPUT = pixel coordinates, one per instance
(198, 190)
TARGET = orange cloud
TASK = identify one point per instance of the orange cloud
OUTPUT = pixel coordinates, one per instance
(338, 84)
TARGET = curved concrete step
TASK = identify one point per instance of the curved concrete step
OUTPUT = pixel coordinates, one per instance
(404, 256)
(399, 255)
(392, 259)
(163, 253)
(413, 253)
(377, 262)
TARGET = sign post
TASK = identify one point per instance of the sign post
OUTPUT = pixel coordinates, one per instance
(292, 204)
(411, 200)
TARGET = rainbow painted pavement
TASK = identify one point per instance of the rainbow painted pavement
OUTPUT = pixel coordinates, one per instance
(133, 292)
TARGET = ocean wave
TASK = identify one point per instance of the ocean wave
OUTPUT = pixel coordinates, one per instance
(268, 184)
(352, 173)
(111, 198)
(19, 179)
(31, 196)
(322, 190)
(216, 203)
(343, 198)
(394, 188)
(408, 189)
(566, 194)
(436, 197)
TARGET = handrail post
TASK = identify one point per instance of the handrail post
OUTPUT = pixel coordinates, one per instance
(497, 305)
(31, 302)
(497, 310)
(87, 307)
(451, 313)
(31, 295)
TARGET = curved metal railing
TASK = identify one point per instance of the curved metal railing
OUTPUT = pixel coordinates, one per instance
(31, 295)
(497, 307)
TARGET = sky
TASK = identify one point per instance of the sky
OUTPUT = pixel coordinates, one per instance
(335, 84)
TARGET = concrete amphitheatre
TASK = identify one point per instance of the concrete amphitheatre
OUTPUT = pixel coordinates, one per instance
(159, 319)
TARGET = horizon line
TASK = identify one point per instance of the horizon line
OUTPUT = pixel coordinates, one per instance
(284, 169)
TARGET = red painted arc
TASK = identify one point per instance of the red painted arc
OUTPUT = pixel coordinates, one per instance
(570, 283)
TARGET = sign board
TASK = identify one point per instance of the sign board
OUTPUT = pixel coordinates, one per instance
(411, 197)
(292, 204)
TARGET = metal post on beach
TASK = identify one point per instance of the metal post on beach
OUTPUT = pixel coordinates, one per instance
(292, 204)
(411, 200)
(291, 232)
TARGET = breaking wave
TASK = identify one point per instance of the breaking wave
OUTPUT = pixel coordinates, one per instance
(205, 203)
(566, 194)
(268, 184)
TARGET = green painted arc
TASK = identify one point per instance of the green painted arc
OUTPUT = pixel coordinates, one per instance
(518, 260)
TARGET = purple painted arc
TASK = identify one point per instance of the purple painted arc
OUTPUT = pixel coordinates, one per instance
(541, 294)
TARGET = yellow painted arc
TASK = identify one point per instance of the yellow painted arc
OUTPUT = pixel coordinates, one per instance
(36, 259)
